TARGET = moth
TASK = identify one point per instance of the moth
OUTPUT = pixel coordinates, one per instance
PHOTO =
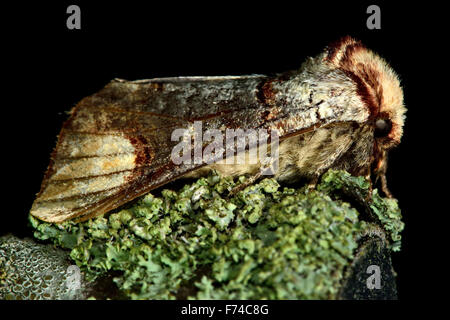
(342, 109)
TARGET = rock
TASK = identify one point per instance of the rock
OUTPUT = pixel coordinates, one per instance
(373, 253)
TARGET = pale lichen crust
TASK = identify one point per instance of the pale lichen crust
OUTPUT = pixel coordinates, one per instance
(34, 271)
(266, 242)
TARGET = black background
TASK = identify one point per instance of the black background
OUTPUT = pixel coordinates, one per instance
(47, 69)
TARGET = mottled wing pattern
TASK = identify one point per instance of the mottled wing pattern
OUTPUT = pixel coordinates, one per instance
(116, 145)
(97, 166)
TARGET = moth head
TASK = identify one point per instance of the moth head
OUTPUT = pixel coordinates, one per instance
(377, 86)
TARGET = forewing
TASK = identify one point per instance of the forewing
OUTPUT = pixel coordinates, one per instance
(103, 158)
(116, 145)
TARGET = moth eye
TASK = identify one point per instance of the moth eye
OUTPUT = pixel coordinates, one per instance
(382, 127)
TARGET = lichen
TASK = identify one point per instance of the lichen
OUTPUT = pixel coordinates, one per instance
(30, 270)
(266, 242)
(386, 210)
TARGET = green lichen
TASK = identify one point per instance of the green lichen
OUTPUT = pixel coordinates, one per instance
(386, 210)
(266, 242)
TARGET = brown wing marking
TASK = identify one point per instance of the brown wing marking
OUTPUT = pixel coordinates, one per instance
(116, 147)
(94, 162)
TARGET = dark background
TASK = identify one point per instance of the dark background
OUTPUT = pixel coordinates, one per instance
(47, 69)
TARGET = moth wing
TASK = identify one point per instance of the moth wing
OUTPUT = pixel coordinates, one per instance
(116, 145)
(94, 170)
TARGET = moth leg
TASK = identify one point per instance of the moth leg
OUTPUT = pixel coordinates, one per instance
(321, 170)
(312, 184)
(245, 184)
(384, 186)
(381, 174)
(268, 165)
(370, 190)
